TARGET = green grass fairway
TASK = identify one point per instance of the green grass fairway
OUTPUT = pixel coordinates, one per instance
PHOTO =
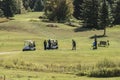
(61, 64)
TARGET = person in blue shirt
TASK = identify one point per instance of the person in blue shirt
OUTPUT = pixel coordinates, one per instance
(95, 42)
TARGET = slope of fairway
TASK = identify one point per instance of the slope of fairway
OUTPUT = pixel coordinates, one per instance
(61, 64)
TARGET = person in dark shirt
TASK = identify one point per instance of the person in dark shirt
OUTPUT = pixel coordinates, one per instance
(45, 44)
(49, 44)
(73, 45)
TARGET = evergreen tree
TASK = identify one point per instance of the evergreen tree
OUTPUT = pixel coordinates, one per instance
(0, 4)
(117, 13)
(39, 5)
(110, 12)
(1, 13)
(111, 2)
(77, 9)
(90, 13)
(26, 4)
(32, 4)
(1, 9)
(104, 16)
(9, 8)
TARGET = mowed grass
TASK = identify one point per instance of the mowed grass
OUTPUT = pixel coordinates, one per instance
(52, 64)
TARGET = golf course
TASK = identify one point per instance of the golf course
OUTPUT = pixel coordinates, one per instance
(84, 63)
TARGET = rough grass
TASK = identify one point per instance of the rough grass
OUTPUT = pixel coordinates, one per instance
(62, 64)
(3, 20)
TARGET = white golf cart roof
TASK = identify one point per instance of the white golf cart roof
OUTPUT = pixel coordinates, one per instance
(29, 40)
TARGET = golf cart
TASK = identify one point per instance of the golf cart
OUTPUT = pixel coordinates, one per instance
(52, 44)
(29, 45)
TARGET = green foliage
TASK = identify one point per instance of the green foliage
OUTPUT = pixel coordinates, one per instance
(90, 13)
(1, 13)
(105, 72)
(1, 4)
(10, 9)
(117, 13)
(39, 5)
(34, 5)
(58, 10)
(106, 64)
(104, 14)
(26, 4)
(105, 68)
(77, 9)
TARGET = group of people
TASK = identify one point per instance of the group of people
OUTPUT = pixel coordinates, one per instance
(53, 44)
(50, 44)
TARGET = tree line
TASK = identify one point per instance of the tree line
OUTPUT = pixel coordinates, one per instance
(8, 8)
(94, 13)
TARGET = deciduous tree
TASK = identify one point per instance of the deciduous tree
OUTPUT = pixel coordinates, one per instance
(58, 10)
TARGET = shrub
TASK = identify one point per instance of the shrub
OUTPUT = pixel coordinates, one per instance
(82, 73)
(105, 68)
(8, 65)
(105, 64)
(105, 72)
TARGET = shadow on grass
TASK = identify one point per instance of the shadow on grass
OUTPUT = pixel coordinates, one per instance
(82, 29)
(98, 36)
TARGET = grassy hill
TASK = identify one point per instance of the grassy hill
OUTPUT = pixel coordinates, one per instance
(61, 64)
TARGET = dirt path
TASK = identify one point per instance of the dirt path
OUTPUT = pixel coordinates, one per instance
(12, 52)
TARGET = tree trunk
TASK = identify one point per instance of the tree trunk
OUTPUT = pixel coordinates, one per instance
(104, 32)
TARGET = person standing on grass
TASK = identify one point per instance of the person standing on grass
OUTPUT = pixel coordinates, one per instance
(108, 43)
(95, 42)
(45, 44)
(49, 44)
(73, 45)
(34, 45)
